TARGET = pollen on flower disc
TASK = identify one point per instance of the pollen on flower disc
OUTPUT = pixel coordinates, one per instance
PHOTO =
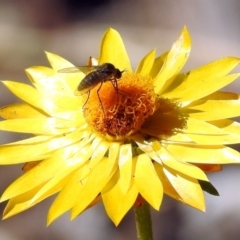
(122, 113)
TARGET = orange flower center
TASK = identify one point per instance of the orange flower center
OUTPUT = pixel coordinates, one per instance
(121, 113)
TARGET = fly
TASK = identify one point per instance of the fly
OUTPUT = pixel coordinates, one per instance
(95, 75)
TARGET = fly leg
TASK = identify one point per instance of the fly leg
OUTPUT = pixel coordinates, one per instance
(87, 99)
(114, 82)
(115, 85)
(100, 98)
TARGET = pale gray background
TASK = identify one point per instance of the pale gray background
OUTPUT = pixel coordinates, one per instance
(73, 29)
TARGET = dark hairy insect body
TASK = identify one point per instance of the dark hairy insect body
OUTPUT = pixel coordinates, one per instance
(105, 72)
(98, 74)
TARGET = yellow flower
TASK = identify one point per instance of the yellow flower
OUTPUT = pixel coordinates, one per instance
(153, 131)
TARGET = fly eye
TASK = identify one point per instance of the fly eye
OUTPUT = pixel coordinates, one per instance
(118, 74)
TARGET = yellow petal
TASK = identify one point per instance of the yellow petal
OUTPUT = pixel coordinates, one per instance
(58, 62)
(205, 133)
(78, 160)
(113, 51)
(149, 147)
(195, 126)
(204, 154)
(180, 138)
(146, 63)
(113, 155)
(35, 148)
(19, 203)
(181, 167)
(219, 95)
(45, 126)
(206, 79)
(98, 153)
(33, 97)
(188, 188)
(75, 117)
(46, 170)
(167, 186)
(125, 167)
(71, 192)
(63, 103)
(163, 157)
(95, 201)
(92, 187)
(147, 181)
(210, 110)
(117, 203)
(20, 110)
(206, 86)
(228, 126)
(158, 64)
(23, 202)
(56, 87)
(214, 140)
(67, 197)
(49, 83)
(45, 78)
(12, 154)
(175, 60)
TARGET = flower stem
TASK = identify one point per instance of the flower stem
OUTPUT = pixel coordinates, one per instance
(143, 221)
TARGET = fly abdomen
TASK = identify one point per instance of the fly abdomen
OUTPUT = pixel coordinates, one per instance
(91, 80)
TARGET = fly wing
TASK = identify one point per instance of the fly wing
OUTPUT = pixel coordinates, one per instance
(84, 69)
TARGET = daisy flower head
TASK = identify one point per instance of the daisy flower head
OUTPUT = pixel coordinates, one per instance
(120, 136)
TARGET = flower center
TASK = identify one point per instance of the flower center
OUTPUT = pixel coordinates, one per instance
(121, 113)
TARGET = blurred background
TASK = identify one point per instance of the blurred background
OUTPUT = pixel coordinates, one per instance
(73, 29)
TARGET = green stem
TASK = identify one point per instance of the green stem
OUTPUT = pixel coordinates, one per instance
(143, 222)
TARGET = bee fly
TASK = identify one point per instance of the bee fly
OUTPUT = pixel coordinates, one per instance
(95, 75)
